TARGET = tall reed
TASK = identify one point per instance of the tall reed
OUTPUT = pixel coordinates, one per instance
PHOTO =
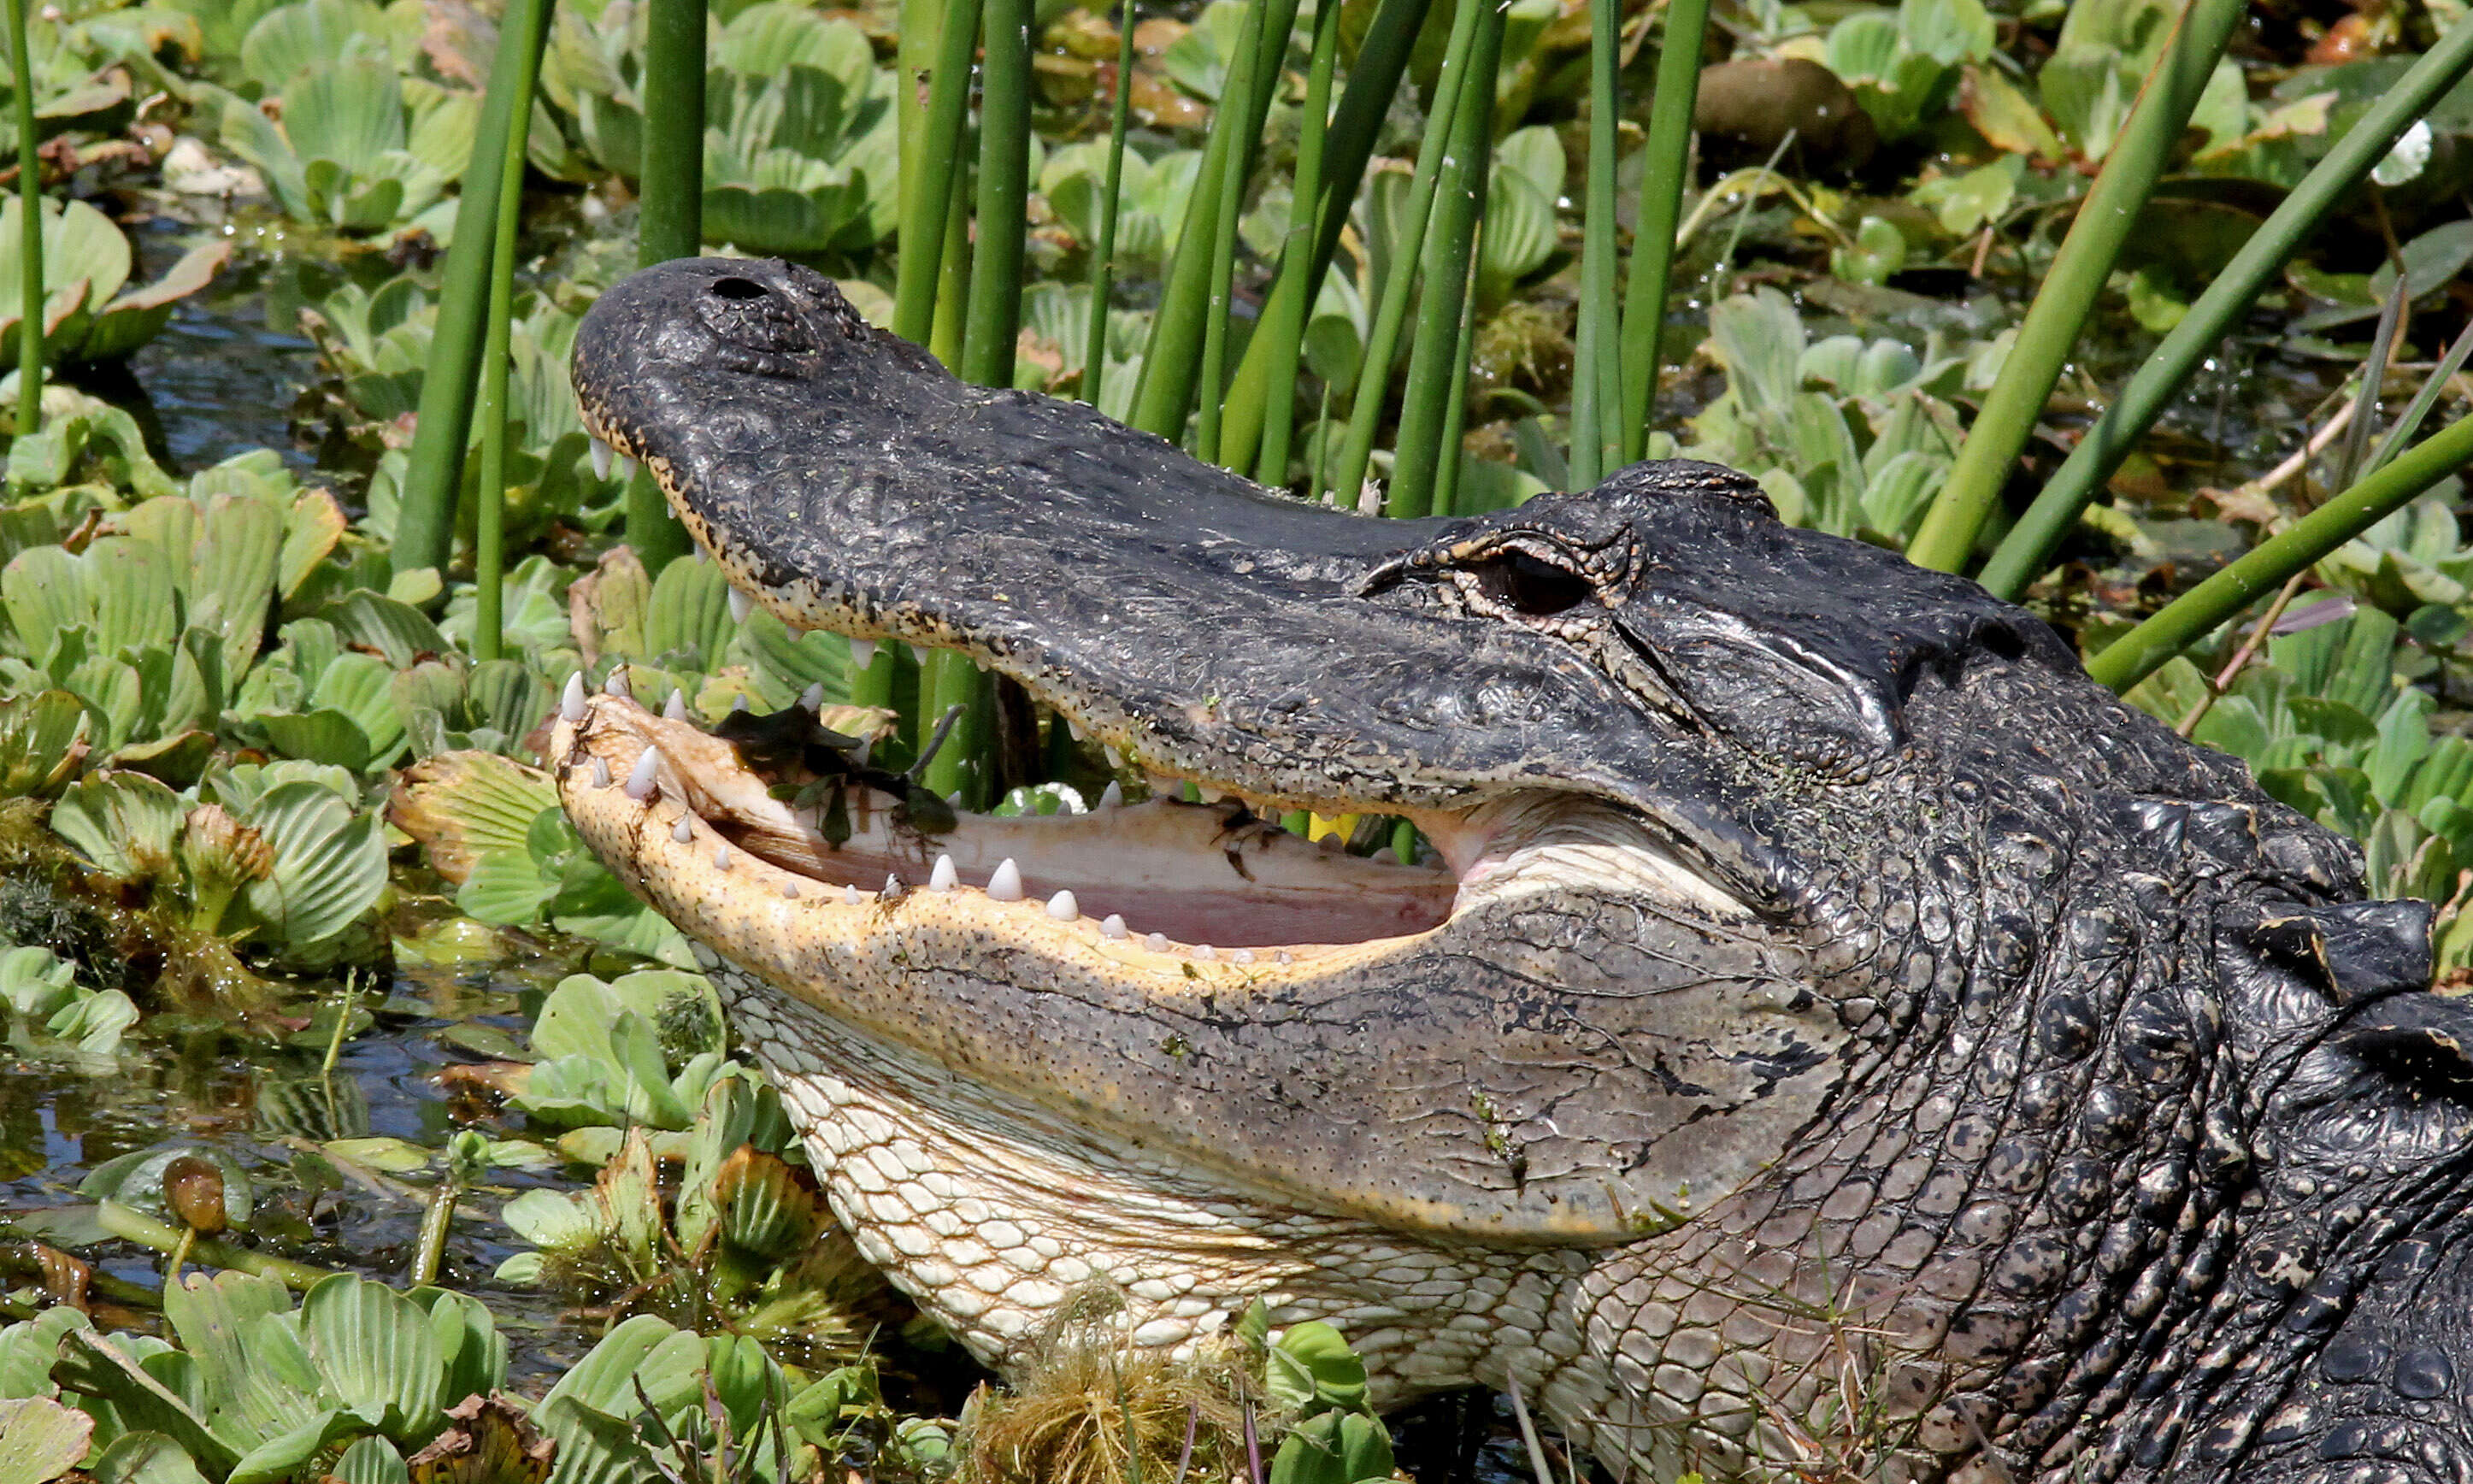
(670, 222)
(525, 24)
(29, 226)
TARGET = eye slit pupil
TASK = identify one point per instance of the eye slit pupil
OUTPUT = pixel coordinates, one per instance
(1530, 585)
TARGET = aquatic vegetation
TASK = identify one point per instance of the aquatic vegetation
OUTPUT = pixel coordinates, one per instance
(86, 314)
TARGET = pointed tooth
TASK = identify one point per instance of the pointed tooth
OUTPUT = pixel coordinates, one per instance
(617, 684)
(849, 896)
(1165, 787)
(1112, 926)
(1063, 908)
(600, 459)
(813, 697)
(955, 799)
(918, 653)
(859, 754)
(790, 889)
(740, 605)
(893, 888)
(1157, 942)
(626, 468)
(1386, 856)
(1116, 759)
(640, 778)
(600, 773)
(701, 555)
(1005, 885)
(862, 653)
(1283, 956)
(1073, 729)
(683, 831)
(721, 858)
(1210, 795)
(1242, 956)
(675, 708)
(571, 701)
(738, 702)
(943, 877)
(1113, 795)
(1205, 951)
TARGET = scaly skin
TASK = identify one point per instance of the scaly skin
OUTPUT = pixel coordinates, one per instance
(1858, 1040)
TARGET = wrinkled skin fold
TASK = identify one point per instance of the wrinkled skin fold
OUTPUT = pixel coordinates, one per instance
(1837, 1034)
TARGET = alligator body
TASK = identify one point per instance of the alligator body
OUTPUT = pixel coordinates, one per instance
(1837, 1034)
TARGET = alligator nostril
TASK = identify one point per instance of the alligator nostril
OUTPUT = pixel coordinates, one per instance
(740, 289)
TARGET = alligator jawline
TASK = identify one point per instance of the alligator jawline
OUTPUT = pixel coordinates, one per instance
(1160, 877)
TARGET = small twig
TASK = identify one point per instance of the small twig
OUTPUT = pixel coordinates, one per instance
(1194, 1424)
(1983, 252)
(1253, 1446)
(2232, 669)
(1537, 1463)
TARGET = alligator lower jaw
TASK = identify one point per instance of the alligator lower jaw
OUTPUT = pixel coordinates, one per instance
(702, 836)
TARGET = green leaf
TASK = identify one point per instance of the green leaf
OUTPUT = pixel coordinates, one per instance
(319, 737)
(41, 1439)
(1335, 1448)
(145, 1458)
(329, 864)
(123, 823)
(92, 1366)
(377, 1351)
(1312, 1369)
(372, 1461)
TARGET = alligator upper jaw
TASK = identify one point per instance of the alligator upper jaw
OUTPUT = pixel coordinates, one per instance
(690, 824)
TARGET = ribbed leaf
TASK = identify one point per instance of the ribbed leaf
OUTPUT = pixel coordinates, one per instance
(329, 863)
(372, 1461)
(41, 1439)
(377, 1351)
(323, 736)
(122, 821)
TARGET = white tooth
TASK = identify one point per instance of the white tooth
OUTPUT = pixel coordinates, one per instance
(701, 555)
(1204, 951)
(1209, 794)
(1386, 856)
(1283, 956)
(675, 708)
(721, 858)
(617, 684)
(1073, 728)
(862, 653)
(1243, 955)
(1112, 795)
(1116, 759)
(626, 468)
(1112, 926)
(600, 459)
(858, 754)
(943, 877)
(813, 697)
(1005, 885)
(640, 778)
(600, 773)
(1063, 907)
(954, 799)
(1157, 942)
(892, 887)
(738, 702)
(570, 702)
(790, 889)
(918, 653)
(849, 896)
(683, 831)
(740, 605)
(1165, 787)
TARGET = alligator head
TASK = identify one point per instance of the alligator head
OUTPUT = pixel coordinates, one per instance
(1836, 1031)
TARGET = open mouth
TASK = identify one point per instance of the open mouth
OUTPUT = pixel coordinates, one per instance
(1193, 881)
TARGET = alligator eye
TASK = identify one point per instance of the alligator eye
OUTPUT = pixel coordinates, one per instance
(738, 289)
(1527, 585)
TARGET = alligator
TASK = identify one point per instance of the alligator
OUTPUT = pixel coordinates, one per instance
(1830, 1034)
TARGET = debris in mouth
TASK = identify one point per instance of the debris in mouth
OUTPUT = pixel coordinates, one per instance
(1205, 881)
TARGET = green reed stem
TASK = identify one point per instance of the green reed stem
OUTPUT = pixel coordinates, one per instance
(1447, 473)
(490, 511)
(1103, 255)
(1374, 373)
(425, 528)
(1223, 241)
(1419, 450)
(671, 222)
(2067, 300)
(1661, 209)
(1172, 360)
(994, 323)
(131, 1225)
(1263, 371)
(2434, 386)
(2193, 616)
(950, 317)
(1284, 316)
(931, 161)
(1596, 391)
(2028, 546)
(30, 227)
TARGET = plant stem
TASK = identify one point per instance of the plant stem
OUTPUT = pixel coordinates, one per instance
(30, 227)
(437, 1219)
(1660, 206)
(2423, 400)
(1595, 372)
(2028, 546)
(950, 320)
(670, 222)
(995, 322)
(425, 527)
(1103, 255)
(1450, 251)
(1285, 315)
(1447, 476)
(2067, 300)
(1382, 60)
(2186, 619)
(931, 158)
(489, 530)
(1231, 187)
(131, 1225)
(1373, 372)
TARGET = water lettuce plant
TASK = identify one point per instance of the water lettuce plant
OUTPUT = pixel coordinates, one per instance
(92, 313)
